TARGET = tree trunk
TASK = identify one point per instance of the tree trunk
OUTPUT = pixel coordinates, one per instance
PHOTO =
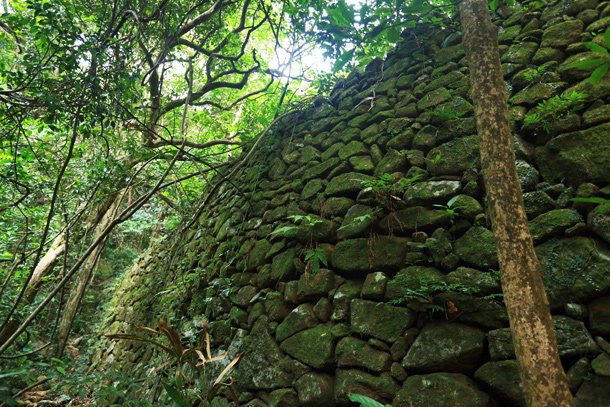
(544, 381)
(44, 268)
(79, 289)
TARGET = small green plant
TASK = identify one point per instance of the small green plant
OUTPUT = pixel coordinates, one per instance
(388, 188)
(449, 209)
(433, 160)
(535, 75)
(445, 113)
(304, 220)
(314, 255)
(555, 108)
(602, 64)
(179, 386)
(365, 401)
(313, 259)
(359, 219)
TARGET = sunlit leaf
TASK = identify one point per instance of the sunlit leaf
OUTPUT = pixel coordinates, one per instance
(589, 63)
(392, 35)
(595, 47)
(599, 73)
(343, 60)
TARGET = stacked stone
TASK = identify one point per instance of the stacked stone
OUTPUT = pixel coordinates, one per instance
(407, 309)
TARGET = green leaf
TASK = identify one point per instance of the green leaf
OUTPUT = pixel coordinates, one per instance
(60, 370)
(346, 12)
(607, 37)
(589, 63)
(595, 47)
(343, 60)
(599, 73)
(392, 35)
(493, 4)
(284, 229)
(365, 401)
(591, 200)
(337, 17)
(175, 394)
(452, 201)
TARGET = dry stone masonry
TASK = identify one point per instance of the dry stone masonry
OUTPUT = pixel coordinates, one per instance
(401, 300)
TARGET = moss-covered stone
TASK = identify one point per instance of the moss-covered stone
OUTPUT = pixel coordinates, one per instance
(282, 266)
(562, 34)
(521, 53)
(315, 389)
(407, 221)
(536, 203)
(442, 389)
(431, 192)
(381, 388)
(314, 347)
(503, 381)
(448, 347)
(359, 222)
(598, 220)
(352, 352)
(573, 268)
(301, 318)
(573, 340)
(363, 164)
(381, 321)
(352, 149)
(537, 93)
(444, 80)
(374, 286)
(552, 223)
(456, 156)
(283, 398)
(256, 257)
(477, 248)
(402, 140)
(348, 184)
(359, 256)
(393, 162)
(599, 316)
(313, 287)
(453, 53)
(260, 364)
(433, 98)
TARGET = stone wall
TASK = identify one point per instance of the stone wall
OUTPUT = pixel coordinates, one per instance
(384, 178)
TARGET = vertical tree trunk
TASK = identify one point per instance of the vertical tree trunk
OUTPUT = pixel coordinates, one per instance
(544, 381)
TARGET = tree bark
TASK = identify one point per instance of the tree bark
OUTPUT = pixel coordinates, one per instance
(80, 287)
(44, 268)
(544, 381)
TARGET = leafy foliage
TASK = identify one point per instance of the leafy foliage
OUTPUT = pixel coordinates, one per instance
(602, 64)
(555, 108)
(180, 387)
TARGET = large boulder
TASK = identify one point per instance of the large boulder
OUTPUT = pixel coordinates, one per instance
(503, 381)
(577, 157)
(446, 347)
(574, 269)
(442, 389)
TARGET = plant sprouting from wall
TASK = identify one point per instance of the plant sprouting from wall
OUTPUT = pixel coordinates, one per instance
(314, 255)
(555, 108)
(449, 209)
